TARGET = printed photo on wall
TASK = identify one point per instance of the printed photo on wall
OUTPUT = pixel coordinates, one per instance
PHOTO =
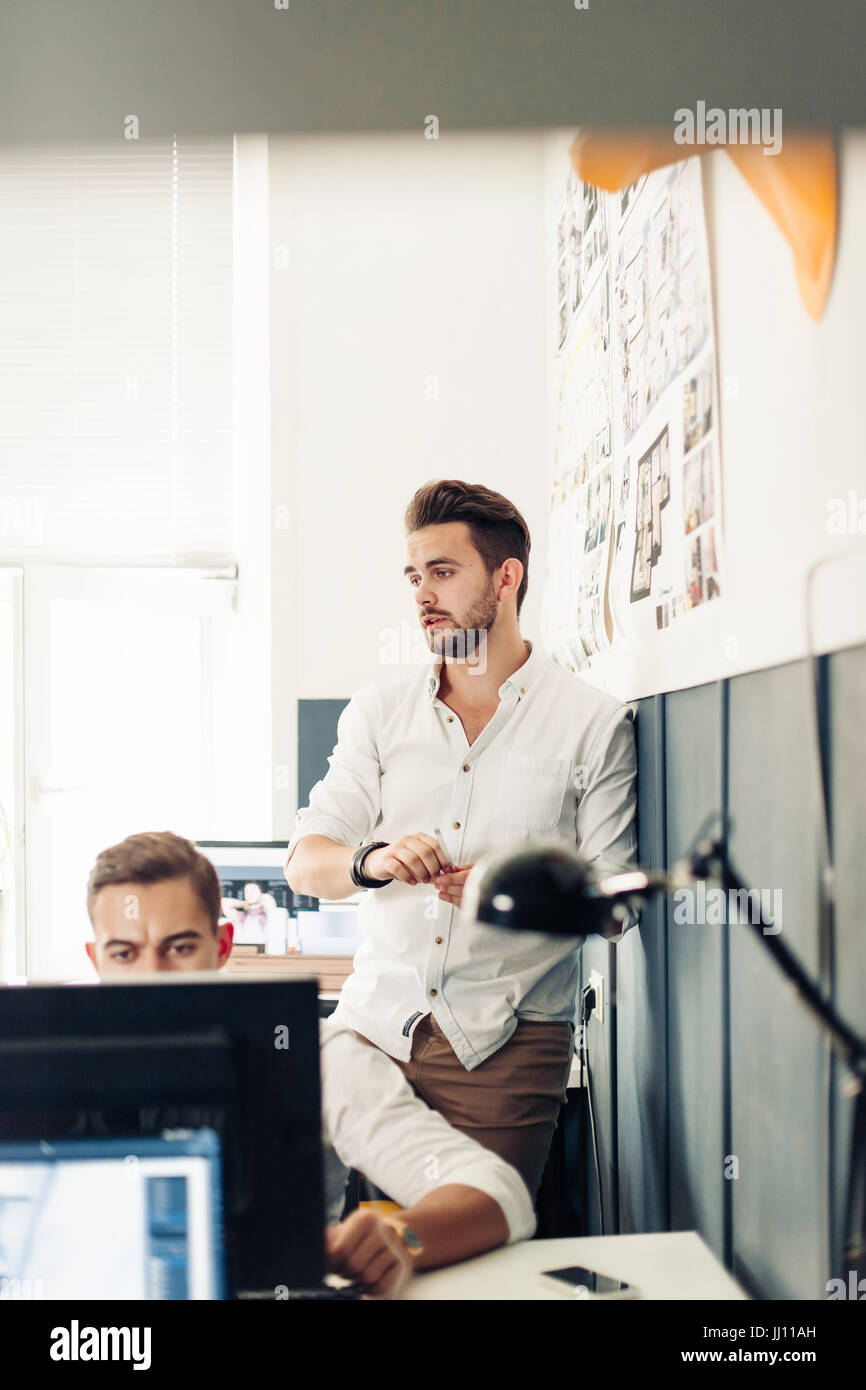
(697, 407)
(698, 498)
(653, 493)
(702, 575)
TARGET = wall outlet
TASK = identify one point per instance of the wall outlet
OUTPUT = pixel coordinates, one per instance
(597, 982)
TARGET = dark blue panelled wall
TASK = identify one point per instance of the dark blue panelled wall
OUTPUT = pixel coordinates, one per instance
(717, 1104)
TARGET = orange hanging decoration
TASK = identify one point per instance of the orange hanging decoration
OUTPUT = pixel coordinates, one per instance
(798, 187)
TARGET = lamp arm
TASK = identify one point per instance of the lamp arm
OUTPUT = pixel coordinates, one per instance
(852, 1047)
(710, 860)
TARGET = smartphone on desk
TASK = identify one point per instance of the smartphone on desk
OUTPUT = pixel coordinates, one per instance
(575, 1281)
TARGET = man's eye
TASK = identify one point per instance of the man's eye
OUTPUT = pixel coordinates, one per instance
(122, 956)
(184, 948)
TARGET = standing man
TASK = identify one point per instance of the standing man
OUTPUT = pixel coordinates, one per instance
(494, 744)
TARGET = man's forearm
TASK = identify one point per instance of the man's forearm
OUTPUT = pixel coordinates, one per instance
(453, 1223)
(319, 868)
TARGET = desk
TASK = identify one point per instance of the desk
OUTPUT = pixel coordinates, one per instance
(331, 971)
(667, 1265)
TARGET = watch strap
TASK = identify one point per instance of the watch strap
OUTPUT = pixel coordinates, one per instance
(356, 869)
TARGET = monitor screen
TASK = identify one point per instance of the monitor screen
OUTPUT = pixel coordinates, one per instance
(112, 1218)
(264, 911)
(256, 898)
(178, 1052)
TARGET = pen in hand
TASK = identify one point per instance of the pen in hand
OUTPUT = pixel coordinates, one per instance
(449, 867)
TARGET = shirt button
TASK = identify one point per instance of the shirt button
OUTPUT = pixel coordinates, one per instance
(522, 691)
(438, 940)
(433, 993)
(465, 767)
(455, 825)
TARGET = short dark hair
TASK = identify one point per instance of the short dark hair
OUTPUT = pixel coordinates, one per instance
(498, 531)
(152, 857)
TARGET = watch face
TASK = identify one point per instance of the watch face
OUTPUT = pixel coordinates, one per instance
(411, 1239)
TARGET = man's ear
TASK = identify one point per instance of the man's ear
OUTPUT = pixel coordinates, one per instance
(90, 948)
(513, 572)
(226, 932)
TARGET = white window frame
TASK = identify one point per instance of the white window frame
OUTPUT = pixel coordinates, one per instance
(247, 724)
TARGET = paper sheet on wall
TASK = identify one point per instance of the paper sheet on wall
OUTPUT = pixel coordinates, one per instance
(635, 540)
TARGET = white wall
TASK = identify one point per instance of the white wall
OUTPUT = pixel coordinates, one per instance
(394, 260)
(791, 438)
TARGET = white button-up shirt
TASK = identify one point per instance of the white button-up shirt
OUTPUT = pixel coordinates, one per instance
(556, 760)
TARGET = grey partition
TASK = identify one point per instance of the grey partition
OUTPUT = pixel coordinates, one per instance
(696, 975)
(317, 735)
(597, 954)
(641, 1006)
(778, 1121)
(847, 709)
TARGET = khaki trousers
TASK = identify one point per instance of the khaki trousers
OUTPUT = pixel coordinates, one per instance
(511, 1102)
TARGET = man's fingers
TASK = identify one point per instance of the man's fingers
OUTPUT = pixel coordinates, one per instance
(354, 1250)
(397, 869)
(412, 868)
(416, 865)
(393, 1279)
(450, 883)
(354, 1264)
(365, 1250)
(378, 1267)
(349, 1234)
(450, 886)
(428, 853)
(415, 859)
(438, 860)
(418, 869)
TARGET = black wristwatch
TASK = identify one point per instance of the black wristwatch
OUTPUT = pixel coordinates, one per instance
(356, 871)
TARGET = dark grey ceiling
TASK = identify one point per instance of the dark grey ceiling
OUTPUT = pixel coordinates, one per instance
(77, 67)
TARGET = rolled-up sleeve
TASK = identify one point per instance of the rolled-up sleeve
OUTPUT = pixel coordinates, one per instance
(606, 818)
(378, 1125)
(345, 804)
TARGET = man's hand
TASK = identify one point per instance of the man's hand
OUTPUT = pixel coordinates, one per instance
(450, 886)
(365, 1249)
(412, 859)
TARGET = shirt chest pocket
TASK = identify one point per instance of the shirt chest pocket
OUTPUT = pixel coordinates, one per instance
(532, 790)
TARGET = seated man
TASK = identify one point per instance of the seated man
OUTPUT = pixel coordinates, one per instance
(154, 902)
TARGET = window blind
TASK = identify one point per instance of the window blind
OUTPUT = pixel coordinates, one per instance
(116, 353)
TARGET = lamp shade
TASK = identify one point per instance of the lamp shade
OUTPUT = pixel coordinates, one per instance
(543, 887)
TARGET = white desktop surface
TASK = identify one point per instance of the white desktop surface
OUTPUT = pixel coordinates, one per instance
(667, 1265)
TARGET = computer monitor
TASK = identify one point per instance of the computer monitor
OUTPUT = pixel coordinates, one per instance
(238, 1057)
(112, 1218)
(256, 898)
(265, 912)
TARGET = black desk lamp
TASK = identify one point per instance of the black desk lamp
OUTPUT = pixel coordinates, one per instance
(547, 887)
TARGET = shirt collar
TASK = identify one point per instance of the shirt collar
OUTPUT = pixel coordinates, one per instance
(520, 682)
